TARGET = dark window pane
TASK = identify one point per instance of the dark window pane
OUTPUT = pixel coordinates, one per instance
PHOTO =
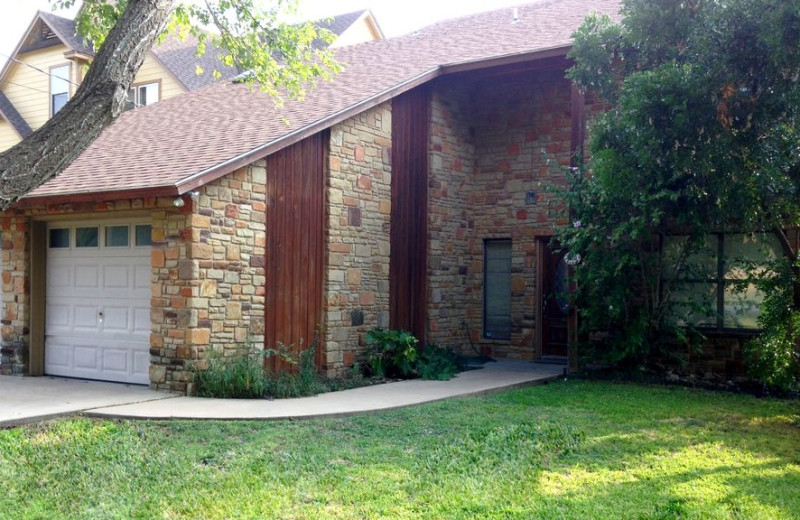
(497, 290)
(117, 236)
(86, 237)
(59, 238)
(143, 235)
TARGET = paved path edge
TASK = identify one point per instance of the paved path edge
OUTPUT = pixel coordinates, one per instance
(95, 413)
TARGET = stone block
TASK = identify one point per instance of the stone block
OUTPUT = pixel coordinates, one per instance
(233, 311)
(198, 336)
(188, 269)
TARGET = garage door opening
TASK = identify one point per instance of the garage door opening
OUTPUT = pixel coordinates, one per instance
(97, 311)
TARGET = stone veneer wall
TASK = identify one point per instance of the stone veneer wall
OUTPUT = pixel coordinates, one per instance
(359, 208)
(519, 135)
(209, 281)
(451, 168)
(14, 321)
(207, 274)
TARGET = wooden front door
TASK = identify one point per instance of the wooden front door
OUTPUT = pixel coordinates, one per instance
(553, 301)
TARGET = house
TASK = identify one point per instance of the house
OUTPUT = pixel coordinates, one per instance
(408, 193)
(50, 60)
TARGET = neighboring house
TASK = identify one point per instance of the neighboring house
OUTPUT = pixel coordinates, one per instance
(50, 61)
(408, 193)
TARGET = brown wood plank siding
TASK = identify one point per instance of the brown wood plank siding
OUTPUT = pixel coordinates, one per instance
(408, 261)
(295, 259)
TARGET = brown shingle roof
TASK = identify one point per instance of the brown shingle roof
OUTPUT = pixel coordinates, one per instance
(172, 143)
(65, 30)
(10, 114)
(179, 57)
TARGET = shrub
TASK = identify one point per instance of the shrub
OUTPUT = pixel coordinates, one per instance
(391, 353)
(394, 353)
(437, 363)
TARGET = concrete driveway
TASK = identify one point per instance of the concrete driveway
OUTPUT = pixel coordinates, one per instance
(30, 399)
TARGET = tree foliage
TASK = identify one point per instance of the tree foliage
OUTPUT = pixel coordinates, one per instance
(277, 57)
(281, 58)
(701, 136)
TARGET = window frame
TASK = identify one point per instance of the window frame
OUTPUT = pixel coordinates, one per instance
(486, 334)
(719, 282)
(136, 86)
(52, 76)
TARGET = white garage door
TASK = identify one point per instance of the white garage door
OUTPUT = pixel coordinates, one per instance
(98, 301)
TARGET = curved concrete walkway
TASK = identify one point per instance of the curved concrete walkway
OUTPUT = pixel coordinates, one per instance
(493, 377)
(24, 400)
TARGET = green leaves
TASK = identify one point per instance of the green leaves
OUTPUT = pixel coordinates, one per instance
(279, 58)
(702, 136)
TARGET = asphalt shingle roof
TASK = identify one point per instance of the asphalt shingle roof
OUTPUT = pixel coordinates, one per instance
(65, 30)
(165, 144)
(9, 112)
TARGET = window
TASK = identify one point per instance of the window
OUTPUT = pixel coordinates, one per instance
(710, 288)
(59, 238)
(117, 236)
(59, 88)
(142, 95)
(497, 289)
(87, 237)
(143, 235)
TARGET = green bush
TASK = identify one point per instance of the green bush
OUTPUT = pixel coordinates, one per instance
(391, 353)
(394, 353)
(435, 362)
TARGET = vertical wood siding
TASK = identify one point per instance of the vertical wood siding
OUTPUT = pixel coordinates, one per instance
(295, 246)
(408, 265)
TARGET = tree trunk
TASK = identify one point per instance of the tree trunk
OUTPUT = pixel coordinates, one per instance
(100, 99)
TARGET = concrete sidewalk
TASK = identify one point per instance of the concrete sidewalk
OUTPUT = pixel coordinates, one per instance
(30, 399)
(494, 377)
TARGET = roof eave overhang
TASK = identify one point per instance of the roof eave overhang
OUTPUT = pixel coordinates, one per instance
(95, 196)
(215, 172)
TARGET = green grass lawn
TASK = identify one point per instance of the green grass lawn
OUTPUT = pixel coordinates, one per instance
(565, 450)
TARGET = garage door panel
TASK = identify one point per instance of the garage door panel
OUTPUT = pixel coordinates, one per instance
(85, 357)
(141, 320)
(87, 277)
(116, 360)
(59, 276)
(141, 277)
(98, 313)
(116, 277)
(141, 364)
(117, 319)
(59, 355)
(58, 317)
(86, 318)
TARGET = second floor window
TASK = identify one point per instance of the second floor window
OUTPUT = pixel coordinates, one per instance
(59, 88)
(142, 95)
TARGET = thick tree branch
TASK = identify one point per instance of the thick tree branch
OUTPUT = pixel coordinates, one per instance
(98, 102)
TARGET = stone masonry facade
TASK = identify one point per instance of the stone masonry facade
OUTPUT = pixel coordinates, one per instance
(359, 209)
(207, 274)
(492, 143)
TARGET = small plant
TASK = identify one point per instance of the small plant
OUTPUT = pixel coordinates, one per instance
(234, 377)
(391, 353)
(437, 363)
(242, 376)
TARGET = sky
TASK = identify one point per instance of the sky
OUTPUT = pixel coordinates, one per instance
(394, 16)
